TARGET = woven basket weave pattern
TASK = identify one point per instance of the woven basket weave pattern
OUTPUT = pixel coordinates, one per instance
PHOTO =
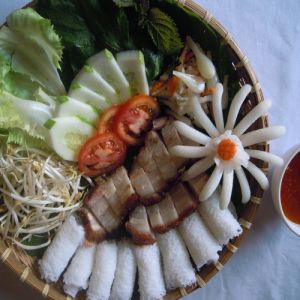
(27, 269)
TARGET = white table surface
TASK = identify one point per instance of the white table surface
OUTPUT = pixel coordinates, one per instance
(267, 265)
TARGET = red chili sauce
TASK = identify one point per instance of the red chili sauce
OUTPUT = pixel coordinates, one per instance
(290, 190)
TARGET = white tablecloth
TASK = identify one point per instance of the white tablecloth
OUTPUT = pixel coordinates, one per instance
(267, 265)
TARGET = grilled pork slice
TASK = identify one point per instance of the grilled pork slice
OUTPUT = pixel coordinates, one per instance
(141, 182)
(161, 156)
(183, 200)
(155, 218)
(127, 198)
(94, 232)
(172, 138)
(100, 208)
(168, 212)
(139, 227)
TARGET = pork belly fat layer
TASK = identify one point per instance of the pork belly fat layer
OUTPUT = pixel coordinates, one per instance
(184, 202)
(94, 232)
(139, 227)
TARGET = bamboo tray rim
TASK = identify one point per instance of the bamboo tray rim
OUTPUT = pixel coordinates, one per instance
(52, 291)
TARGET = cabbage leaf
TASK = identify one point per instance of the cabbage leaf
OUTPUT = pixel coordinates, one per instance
(34, 49)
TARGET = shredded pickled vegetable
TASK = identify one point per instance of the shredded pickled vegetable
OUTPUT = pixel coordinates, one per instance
(37, 192)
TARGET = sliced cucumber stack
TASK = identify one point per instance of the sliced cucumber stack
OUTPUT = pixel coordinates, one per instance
(132, 64)
(71, 107)
(105, 64)
(84, 94)
(89, 78)
(67, 135)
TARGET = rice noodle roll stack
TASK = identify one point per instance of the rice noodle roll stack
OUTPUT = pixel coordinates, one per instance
(151, 281)
(123, 284)
(58, 254)
(201, 244)
(177, 266)
(77, 276)
(221, 223)
(103, 271)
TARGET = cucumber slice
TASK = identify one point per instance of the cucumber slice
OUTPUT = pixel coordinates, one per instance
(71, 107)
(133, 66)
(105, 64)
(88, 96)
(67, 135)
(88, 77)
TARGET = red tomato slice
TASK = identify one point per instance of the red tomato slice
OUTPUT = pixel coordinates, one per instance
(134, 118)
(101, 153)
(107, 119)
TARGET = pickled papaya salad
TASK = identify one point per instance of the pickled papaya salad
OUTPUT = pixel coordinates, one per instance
(78, 86)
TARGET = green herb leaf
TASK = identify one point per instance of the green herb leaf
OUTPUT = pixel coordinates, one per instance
(21, 138)
(79, 43)
(108, 23)
(154, 64)
(124, 3)
(163, 32)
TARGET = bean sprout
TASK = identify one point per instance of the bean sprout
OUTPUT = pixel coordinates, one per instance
(37, 192)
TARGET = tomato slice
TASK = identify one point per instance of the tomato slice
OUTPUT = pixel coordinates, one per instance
(102, 153)
(134, 118)
(107, 119)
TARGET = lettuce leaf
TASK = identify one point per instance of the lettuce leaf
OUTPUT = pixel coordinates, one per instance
(79, 43)
(34, 48)
(20, 137)
(28, 114)
(15, 83)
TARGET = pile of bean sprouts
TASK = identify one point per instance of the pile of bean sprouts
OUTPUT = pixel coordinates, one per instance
(37, 192)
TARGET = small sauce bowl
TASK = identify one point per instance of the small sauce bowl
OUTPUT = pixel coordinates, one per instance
(286, 189)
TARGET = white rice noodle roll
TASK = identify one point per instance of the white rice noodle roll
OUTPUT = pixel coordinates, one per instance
(77, 276)
(204, 64)
(225, 92)
(191, 133)
(262, 135)
(58, 254)
(123, 284)
(211, 184)
(265, 156)
(244, 184)
(198, 168)
(189, 151)
(201, 244)
(226, 191)
(251, 117)
(178, 270)
(259, 175)
(217, 107)
(236, 104)
(220, 222)
(202, 119)
(151, 280)
(194, 83)
(103, 271)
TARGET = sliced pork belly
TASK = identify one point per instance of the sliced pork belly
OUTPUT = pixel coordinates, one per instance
(141, 183)
(94, 232)
(126, 194)
(168, 212)
(139, 227)
(155, 218)
(183, 200)
(161, 156)
(172, 138)
(100, 208)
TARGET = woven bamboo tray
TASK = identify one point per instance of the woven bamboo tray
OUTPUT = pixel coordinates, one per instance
(26, 268)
